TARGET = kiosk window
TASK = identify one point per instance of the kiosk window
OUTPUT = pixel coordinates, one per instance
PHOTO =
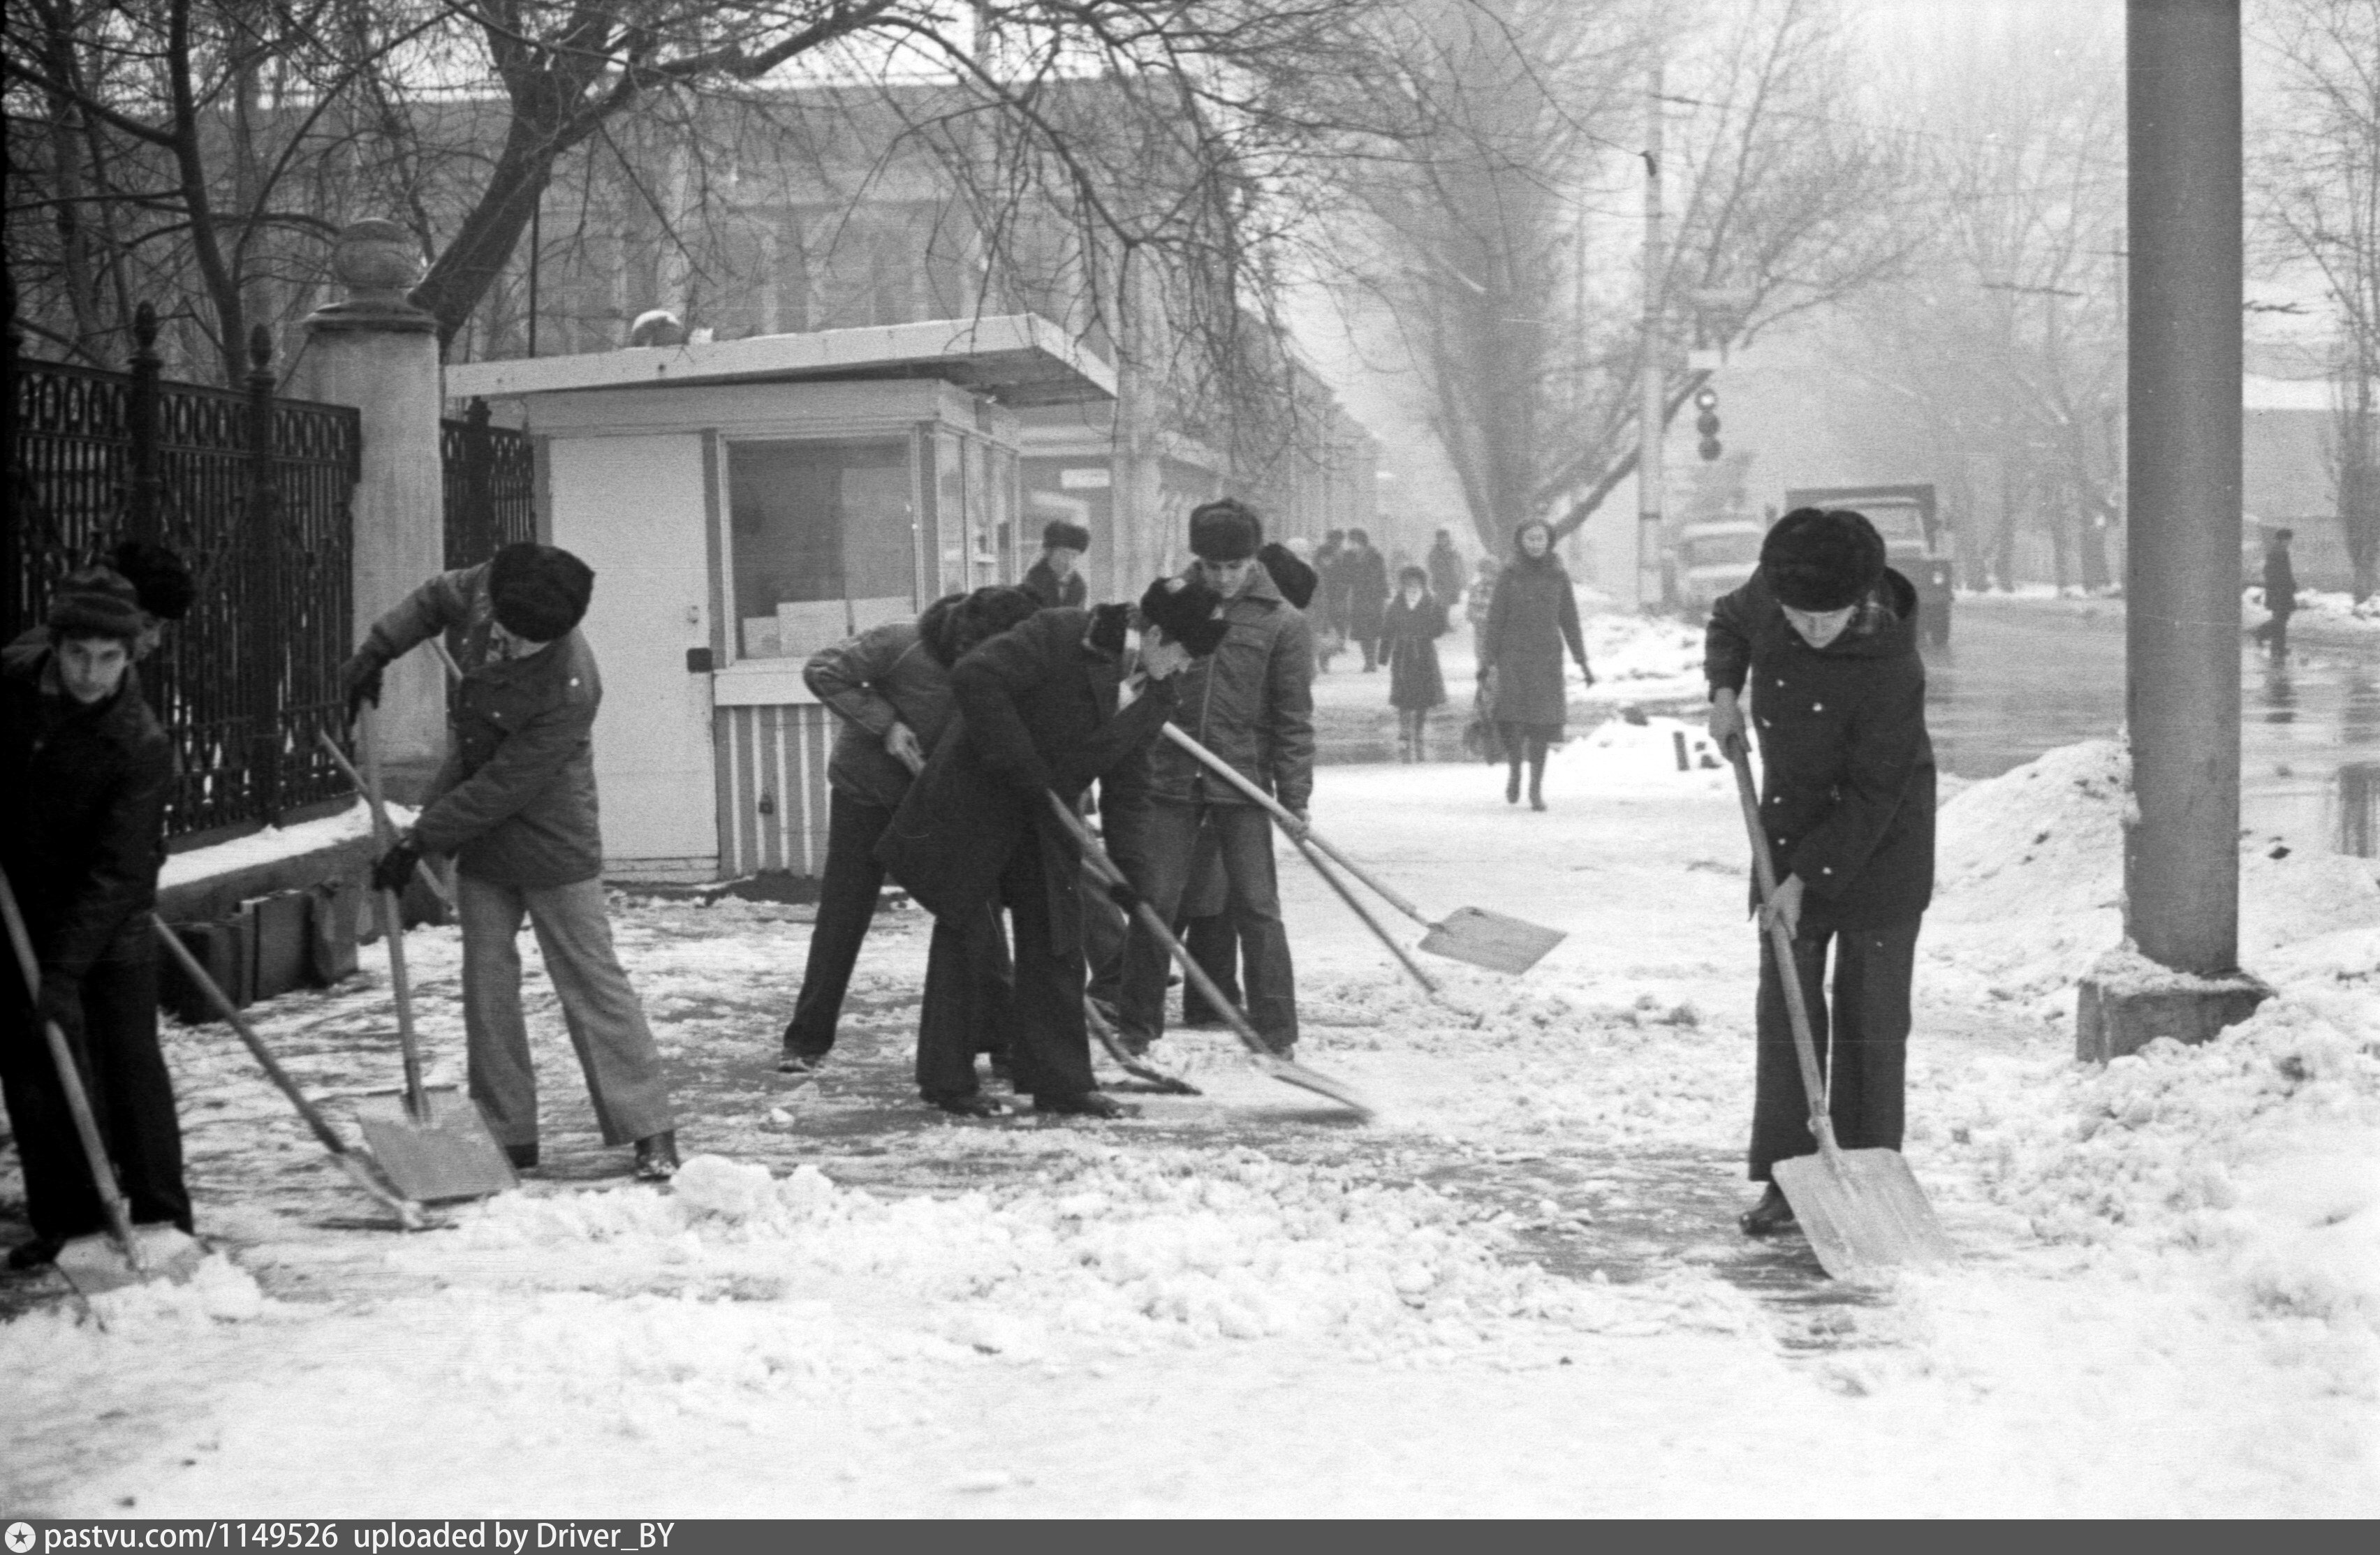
(822, 543)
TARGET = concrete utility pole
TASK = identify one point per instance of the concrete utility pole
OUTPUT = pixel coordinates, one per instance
(1650, 412)
(2182, 857)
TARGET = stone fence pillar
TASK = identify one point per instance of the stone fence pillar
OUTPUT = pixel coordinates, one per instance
(378, 352)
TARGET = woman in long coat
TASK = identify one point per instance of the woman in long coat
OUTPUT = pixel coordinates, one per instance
(1409, 634)
(1532, 616)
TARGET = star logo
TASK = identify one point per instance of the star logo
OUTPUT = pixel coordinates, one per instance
(20, 1537)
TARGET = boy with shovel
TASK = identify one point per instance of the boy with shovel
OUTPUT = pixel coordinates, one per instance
(84, 770)
(515, 803)
(1823, 636)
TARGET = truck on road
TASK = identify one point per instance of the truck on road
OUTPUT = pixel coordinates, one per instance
(1916, 542)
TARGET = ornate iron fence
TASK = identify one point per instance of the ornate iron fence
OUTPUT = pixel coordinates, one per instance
(490, 487)
(254, 492)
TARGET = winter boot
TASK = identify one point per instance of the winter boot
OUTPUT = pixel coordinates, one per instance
(1772, 1214)
(523, 1157)
(1536, 782)
(1088, 1104)
(974, 1106)
(657, 1157)
(1513, 784)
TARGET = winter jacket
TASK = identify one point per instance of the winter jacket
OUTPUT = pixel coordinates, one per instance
(2280, 582)
(1037, 713)
(1532, 616)
(1409, 637)
(1847, 787)
(1445, 565)
(83, 789)
(1366, 587)
(885, 675)
(516, 799)
(1044, 585)
(1329, 613)
(1252, 704)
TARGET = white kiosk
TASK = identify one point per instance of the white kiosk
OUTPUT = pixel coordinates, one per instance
(744, 504)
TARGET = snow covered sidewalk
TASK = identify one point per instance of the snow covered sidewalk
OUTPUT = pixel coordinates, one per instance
(1519, 1291)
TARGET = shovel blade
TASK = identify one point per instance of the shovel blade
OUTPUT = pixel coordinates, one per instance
(1863, 1213)
(96, 1263)
(451, 1155)
(1510, 945)
(1290, 1072)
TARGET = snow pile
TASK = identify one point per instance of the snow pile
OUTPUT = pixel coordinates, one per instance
(1643, 656)
(1628, 750)
(2029, 877)
(2323, 607)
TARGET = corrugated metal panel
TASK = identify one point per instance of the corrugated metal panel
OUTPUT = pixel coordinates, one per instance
(773, 793)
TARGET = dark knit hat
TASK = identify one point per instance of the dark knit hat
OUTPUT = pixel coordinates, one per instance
(1059, 535)
(538, 591)
(96, 601)
(1413, 575)
(1184, 610)
(990, 611)
(1224, 531)
(1822, 561)
(1290, 574)
(158, 576)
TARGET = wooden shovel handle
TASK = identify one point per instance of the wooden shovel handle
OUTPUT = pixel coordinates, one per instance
(103, 1172)
(392, 928)
(1301, 830)
(1789, 970)
(384, 830)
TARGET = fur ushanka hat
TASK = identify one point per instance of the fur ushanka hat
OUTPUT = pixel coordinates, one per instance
(1185, 611)
(1822, 561)
(1060, 535)
(538, 592)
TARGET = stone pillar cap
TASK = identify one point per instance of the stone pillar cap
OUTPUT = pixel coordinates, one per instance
(378, 262)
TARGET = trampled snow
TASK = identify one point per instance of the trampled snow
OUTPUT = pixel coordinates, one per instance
(1519, 1291)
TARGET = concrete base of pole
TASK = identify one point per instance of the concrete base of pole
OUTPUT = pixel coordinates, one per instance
(2127, 1001)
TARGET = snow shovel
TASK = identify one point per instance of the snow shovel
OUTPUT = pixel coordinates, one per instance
(125, 1253)
(1862, 1209)
(1505, 944)
(432, 1144)
(355, 1164)
(1288, 1071)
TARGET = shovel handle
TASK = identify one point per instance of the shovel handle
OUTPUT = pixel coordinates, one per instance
(1356, 905)
(1789, 970)
(103, 1173)
(1301, 830)
(1105, 868)
(384, 830)
(323, 1132)
(391, 927)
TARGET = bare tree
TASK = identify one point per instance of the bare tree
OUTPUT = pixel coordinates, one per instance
(2320, 206)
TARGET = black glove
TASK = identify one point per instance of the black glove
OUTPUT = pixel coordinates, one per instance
(60, 1000)
(1126, 898)
(394, 870)
(359, 680)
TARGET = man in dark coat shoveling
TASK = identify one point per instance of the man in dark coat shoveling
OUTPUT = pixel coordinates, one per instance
(1041, 711)
(1822, 643)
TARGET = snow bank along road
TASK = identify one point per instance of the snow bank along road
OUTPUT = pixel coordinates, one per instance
(1517, 1292)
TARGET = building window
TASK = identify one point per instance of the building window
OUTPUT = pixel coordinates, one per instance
(821, 541)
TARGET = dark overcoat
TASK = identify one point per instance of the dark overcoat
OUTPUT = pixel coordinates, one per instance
(1532, 616)
(2280, 582)
(1037, 713)
(1409, 637)
(1847, 786)
(1053, 592)
(1367, 575)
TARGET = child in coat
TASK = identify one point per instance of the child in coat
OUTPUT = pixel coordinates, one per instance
(1410, 628)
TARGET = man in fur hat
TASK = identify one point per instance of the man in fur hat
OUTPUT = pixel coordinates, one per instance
(516, 804)
(1052, 579)
(1041, 711)
(84, 772)
(1251, 704)
(1821, 642)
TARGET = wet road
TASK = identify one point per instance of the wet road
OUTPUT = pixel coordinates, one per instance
(2019, 679)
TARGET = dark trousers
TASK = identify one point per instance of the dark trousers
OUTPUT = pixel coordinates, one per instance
(131, 1098)
(1868, 1018)
(969, 1005)
(2274, 634)
(1213, 943)
(847, 895)
(1165, 849)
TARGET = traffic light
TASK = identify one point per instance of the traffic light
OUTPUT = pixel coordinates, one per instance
(1707, 401)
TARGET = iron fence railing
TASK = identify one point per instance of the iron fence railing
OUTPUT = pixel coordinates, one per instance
(490, 487)
(254, 492)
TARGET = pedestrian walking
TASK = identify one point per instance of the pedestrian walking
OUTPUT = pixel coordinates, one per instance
(514, 804)
(1051, 579)
(1821, 644)
(1532, 617)
(891, 686)
(1364, 586)
(2280, 595)
(1251, 704)
(1040, 711)
(1330, 621)
(84, 772)
(1416, 619)
(1445, 565)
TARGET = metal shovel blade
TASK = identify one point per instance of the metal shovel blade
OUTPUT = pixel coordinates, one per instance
(1290, 1072)
(1864, 1212)
(1491, 940)
(96, 1263)
(450, 1156)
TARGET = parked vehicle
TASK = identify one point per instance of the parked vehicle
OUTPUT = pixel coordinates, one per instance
(1716, 557)
(1917, 543)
